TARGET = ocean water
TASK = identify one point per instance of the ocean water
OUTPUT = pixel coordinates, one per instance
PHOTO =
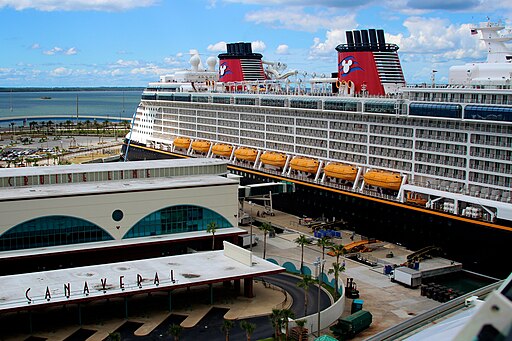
(110, 104)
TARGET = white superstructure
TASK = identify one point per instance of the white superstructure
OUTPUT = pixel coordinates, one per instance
(444, 148)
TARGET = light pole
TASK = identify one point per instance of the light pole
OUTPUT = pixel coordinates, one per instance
(319, 264)
(250, 222)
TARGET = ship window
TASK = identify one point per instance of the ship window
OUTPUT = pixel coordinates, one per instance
(380, 107)
(304, 104)
(221, 99)
(200, 99)
(490, 113)
(340, 105)
(435, 110)
(272, 102)
(182, 97)
(245, 101)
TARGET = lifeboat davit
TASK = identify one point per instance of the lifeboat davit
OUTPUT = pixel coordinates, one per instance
(222, 149)
(274, 159)
(341, 171)
(305, 164)
(201, 146)
(383, 179)
(182, 142)
(248, 154)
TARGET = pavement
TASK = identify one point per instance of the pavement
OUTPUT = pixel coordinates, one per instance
(389, 303)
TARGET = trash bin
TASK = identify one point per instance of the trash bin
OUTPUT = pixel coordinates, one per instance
(357, 305)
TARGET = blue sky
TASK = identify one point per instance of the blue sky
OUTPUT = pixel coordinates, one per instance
(132, 42)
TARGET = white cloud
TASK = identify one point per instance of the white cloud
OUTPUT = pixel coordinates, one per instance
(71, 51)
(295, 19)
(150, 69)
(126, 63)
(221, 46)
(59, 50)
(282, 49)
(35, 46)
(76, 5)
(61, 71)
(258, 46)
(438, 37)
(53, 51)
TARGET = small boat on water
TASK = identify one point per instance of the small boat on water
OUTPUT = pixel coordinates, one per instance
(383, 179)
(341, 171)
(222, 149)
(201, 146)
(247, 154)
(305, 164)
(182, 142)
(273, 159)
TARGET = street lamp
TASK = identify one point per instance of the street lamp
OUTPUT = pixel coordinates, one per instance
(319, 265)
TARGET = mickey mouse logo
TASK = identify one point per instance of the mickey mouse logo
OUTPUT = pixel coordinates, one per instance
(345, 64)
(348, 65)
(224, 69)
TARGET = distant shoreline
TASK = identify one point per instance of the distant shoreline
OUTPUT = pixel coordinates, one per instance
(64, 89)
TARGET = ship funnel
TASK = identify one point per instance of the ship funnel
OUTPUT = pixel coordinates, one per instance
(350, 39)
(239, 64)
(357, 40)
(382, 40)
(373, 39)
(368, 64)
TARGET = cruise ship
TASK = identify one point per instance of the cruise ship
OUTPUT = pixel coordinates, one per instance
(423, 164)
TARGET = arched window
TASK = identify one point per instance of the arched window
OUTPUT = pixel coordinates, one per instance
(176, 219)
(51, 231)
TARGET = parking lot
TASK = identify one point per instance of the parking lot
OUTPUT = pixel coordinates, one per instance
(29, 151)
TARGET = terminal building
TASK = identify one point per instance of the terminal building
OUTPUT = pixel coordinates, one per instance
(79, 233)
(65, 216)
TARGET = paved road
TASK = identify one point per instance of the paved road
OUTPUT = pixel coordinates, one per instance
(209, 328)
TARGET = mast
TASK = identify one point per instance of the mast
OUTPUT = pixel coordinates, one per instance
(494, 41)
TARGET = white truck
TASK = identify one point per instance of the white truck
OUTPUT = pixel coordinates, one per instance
(245, 240)
(406, 276)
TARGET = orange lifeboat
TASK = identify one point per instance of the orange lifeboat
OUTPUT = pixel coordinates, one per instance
(201, 146)
(248, 154)
(222, 149)
(182, 142)
(274, 159)
(383, 179)
(341, 171)
(305, 164)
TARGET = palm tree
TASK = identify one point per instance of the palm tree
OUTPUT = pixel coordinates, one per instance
(212, 228)
(338, 251)
(276, 318)
(304, 283)
(248, 328)
(287, 314)
(324, 242)
(175, 330)
(266, 228)
(227, 325)
(302, 240)
(300, 324)
(115, 336)
(336, 269)
(68, 124)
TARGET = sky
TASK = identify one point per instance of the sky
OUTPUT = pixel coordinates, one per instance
(59, 43)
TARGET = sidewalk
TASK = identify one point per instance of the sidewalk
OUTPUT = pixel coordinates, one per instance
(389, 303)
